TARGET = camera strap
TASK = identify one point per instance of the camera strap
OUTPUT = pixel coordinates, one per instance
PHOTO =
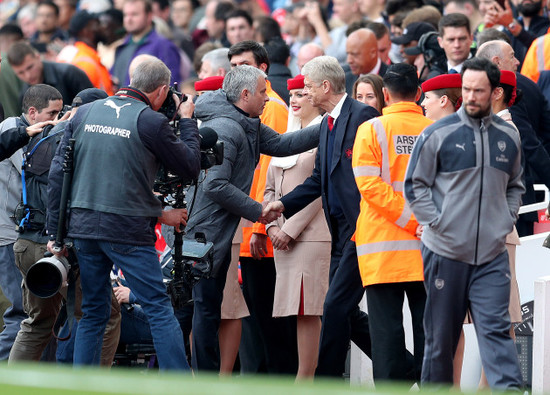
(134, 94)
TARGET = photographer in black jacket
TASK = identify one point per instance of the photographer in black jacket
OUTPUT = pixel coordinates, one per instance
(119, 144)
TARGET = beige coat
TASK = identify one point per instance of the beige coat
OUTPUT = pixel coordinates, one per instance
(305, 266)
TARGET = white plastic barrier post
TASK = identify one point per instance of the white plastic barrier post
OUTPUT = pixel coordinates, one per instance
(541, 337)
(360, 370)
(361, 365)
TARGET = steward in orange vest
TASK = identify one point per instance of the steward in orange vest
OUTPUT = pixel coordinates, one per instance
(388, 248)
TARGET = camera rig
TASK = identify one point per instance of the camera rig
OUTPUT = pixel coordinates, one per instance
(192, 259)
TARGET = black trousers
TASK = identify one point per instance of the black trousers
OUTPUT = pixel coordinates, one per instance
(342, 319)
(207, 297)
(390, 358)
(278, 335)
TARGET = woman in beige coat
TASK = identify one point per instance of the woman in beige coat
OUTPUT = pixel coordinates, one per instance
(302, 243)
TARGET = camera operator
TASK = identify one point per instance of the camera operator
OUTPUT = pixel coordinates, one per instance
(36, 331)
(41, 104)
(222, 198)
(120, 143)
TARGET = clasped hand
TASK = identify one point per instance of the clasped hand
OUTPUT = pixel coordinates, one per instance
(271, 212)
(279, 238)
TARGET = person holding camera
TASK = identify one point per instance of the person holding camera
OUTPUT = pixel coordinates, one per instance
(113, 213)
(41, 104)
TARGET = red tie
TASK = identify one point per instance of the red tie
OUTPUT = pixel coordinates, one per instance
(330, 123)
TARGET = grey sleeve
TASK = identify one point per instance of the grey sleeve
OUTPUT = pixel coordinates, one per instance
(275, 144)
(515, 188)
(218, 187)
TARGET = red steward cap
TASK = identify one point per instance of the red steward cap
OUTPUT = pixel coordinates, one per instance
(296, 82)
(209, 84)
(507, 77)
(443, 81)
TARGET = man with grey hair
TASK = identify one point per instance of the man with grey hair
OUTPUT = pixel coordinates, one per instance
(333, 180)
(113, 214)
(223, 197)
(500, 53)
(215, 63)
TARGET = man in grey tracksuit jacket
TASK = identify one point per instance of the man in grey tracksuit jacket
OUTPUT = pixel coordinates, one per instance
(223, 198)
(464, 184)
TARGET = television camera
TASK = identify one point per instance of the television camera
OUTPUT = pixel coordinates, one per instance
(191, 259)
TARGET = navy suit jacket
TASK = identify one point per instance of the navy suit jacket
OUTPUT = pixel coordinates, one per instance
(353, 114)
(537, 107)
(532, 118)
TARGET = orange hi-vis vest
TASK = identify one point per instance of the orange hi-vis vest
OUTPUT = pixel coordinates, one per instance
(87, 59)
(387, 248)
(537, 57)
(275, 116)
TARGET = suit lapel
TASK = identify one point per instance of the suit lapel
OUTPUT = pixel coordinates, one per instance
(340, 128)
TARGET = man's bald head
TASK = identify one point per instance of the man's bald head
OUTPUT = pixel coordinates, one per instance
(362, 51)
(308, 52)
(500, 53)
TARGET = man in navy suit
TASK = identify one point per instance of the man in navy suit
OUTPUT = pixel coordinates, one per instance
(532, 118)
(333, 180)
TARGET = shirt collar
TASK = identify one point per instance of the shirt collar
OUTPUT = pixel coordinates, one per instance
(376, 68)
(335, 113)
(458, 67)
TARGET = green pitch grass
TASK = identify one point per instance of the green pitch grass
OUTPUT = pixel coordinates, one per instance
(38, 379)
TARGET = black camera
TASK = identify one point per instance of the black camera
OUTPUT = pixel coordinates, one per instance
(169, 107)
(434, 56)
(66, 108)
(167, 183)
(48, 275)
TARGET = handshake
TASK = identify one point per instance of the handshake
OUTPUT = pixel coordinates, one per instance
(271, 212)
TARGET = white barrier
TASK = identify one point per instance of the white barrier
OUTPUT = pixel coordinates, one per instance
(541, 337)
